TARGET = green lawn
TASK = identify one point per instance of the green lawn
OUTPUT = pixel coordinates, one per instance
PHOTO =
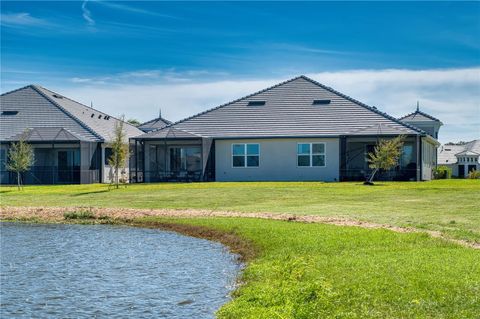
(451, 206)
(326, 271)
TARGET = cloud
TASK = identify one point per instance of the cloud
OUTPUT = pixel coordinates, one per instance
(21, 19)
(87, 15)
(452, 95)
(127, 8)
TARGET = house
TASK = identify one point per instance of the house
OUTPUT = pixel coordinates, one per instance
(462, 159)
(298, 130)
(70, 140)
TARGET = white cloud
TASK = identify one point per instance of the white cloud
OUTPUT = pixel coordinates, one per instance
(452, 95)
(87, 15)
(21, 19)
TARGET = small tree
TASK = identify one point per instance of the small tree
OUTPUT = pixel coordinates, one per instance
(385, 155)
(20, 158)
(134, 122)
(120, 151)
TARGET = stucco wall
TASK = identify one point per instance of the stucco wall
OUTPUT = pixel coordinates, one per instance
(278, 161)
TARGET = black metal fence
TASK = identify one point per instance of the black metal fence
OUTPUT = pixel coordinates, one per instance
(52, 175)
(391, 175)
(170, 176)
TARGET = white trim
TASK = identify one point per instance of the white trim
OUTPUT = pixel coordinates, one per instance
(311, 154)
(245, 155)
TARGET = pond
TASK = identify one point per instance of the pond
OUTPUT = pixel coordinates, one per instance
(87, 271)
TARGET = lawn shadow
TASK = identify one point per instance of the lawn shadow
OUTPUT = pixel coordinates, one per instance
(92, 192)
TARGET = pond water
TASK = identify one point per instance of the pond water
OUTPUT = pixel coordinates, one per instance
(97, 271)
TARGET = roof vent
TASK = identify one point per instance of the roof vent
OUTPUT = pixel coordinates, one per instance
(9, 112)
(321, 102)
(57, 96)
(256, 103)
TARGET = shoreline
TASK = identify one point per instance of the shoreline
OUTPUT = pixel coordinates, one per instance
(132, 216)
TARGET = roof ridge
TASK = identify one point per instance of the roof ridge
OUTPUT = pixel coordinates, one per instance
(21, 88)
(66, 97)
(156, 119)
(66, 111)
(228, 103)
(419, 112)
(375, 110)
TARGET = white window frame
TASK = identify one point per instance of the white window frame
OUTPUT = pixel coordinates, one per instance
(245, 155)
(312, 154)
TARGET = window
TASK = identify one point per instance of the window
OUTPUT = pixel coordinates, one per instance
(245, 155)
(311, 154)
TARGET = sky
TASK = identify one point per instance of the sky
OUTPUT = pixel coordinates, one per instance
(135, 58)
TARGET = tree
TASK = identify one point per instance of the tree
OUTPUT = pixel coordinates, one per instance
(20, 158)
(385, 155)
(120, 151)
(134, 122)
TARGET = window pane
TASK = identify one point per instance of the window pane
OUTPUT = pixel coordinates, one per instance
(303, 160)
(303, 149)
(252, 161)
(253, 149)
(318, 148)
(318, 160)
(238, 149)
(239, 161)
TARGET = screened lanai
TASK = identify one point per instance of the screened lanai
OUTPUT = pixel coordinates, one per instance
(60, 157)
(172, 155)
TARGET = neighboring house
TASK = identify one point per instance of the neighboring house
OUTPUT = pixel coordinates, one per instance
(298, 130)
(462, 159)
(70, 140)
(154, 124)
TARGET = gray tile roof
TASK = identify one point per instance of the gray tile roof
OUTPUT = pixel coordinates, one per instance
(418, 116)
(381, 129)
(168, 132)
(154, 124)
(289, 112)
(38, 107)
(45, 134)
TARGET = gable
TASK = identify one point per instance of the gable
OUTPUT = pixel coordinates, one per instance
(35, 111)
(289, 111)
(102, 124)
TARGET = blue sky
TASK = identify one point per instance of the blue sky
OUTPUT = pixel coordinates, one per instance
(94, 49)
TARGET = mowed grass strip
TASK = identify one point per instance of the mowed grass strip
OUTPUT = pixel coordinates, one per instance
(450, 206)
(326, 271)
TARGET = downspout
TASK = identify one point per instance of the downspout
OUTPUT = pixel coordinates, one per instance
(165, 158)
(136, 161)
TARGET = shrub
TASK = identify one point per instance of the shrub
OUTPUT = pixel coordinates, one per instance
(84, 214)
(442, 172)
(474, 174)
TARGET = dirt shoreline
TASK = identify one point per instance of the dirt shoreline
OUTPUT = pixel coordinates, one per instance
(127, 215)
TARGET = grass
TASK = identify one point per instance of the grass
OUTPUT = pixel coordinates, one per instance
(83, 214)
(449, 206)
(326, 271)
(298, 270)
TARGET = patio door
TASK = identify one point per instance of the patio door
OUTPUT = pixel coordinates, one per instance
(185, 159)
(68, 166)
(461, 171)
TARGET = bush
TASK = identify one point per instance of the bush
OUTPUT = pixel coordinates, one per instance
(442, 172)
(474, 174)
(84, 214)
